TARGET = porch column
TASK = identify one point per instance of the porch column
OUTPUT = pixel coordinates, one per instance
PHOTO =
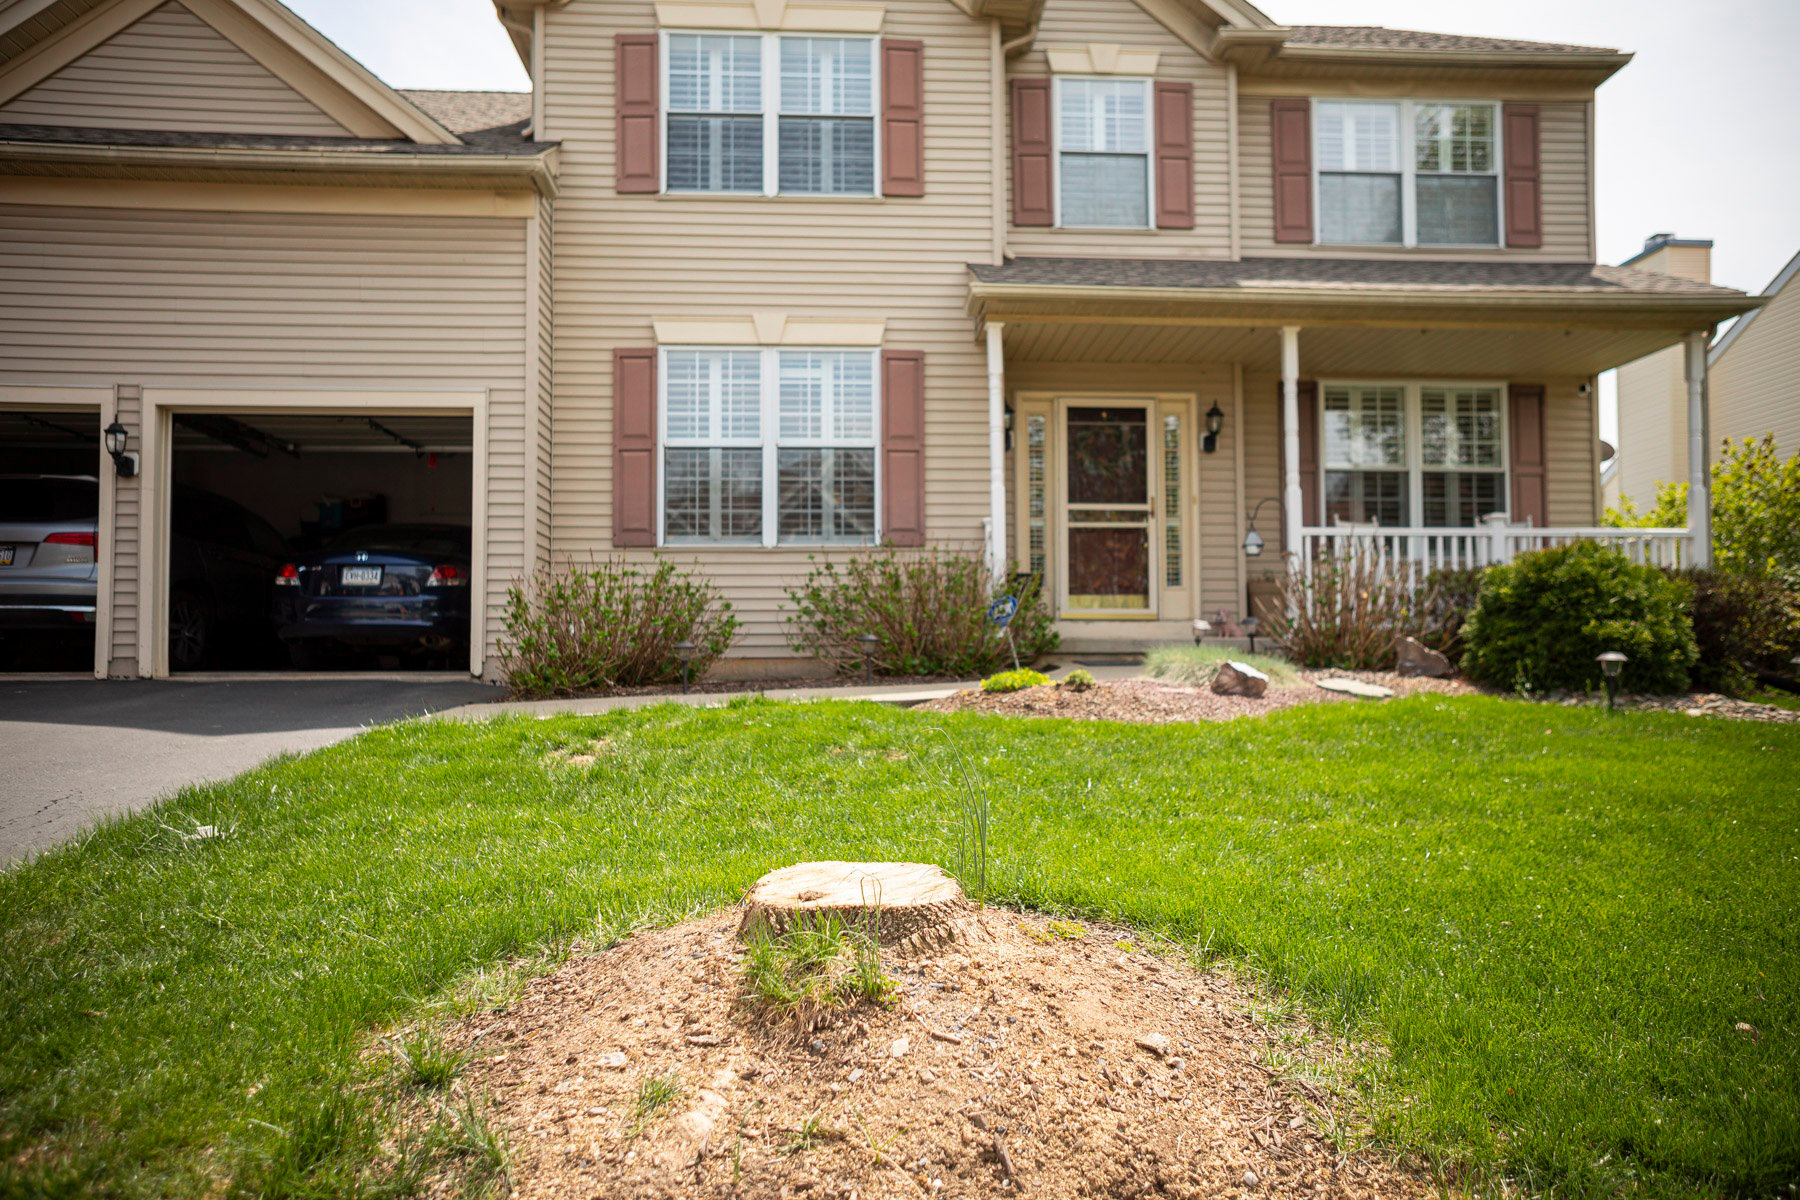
(1290, 451)
(1699, 501)
(996, 373)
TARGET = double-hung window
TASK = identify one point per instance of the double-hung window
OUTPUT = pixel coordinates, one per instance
(769, 447)
(1103, 152)
(1407, 172)
(1413, 454)
(770, 114)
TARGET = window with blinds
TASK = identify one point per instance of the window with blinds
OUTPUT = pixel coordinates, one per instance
(1413, 454)
(1406, 172)
(1103, 152)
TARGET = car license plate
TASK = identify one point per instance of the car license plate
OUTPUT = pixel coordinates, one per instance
(6, 555)
(361, 576)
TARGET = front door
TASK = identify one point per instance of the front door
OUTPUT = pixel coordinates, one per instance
(1108, 510)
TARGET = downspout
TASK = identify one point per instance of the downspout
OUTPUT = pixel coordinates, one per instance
(1019, 44)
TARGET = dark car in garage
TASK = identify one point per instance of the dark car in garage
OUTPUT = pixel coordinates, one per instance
(398, 589)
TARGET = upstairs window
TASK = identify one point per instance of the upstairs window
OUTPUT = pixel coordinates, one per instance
(770, 114)
(1103, 152)
(1413, 454)
(1407, 173)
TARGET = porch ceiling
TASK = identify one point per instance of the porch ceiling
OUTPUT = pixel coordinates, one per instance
(1338, 349)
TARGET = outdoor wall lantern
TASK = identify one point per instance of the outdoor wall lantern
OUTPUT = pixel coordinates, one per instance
(1611, 663)
(869, 643)
(124, 465)
(1253, 541)
(1215, 421)
(1006, 421)
(686, 650)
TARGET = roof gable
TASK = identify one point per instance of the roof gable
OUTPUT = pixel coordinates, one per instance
(197, 61)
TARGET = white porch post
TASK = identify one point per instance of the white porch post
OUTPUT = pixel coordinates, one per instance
(996, 374)
(1290, 450)
(1699, 502)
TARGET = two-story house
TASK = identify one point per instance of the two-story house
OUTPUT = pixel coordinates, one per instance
(1119, 291)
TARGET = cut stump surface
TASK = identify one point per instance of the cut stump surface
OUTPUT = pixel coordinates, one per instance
(912, 907)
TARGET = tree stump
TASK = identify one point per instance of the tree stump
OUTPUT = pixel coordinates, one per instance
(909, 907)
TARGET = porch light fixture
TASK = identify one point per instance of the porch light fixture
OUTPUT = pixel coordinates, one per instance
(686, 650)
(1006, 421)
(869, 643)
(124, 465)
(1215, 421)
(1611, 663)
(1253, 541)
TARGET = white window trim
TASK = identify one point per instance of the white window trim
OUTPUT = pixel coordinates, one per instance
(770, 443)
(1056, 150)
(771, 111)
(1411, 409)
(1409, 174)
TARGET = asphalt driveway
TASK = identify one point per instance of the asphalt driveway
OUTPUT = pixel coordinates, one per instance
(73, 751)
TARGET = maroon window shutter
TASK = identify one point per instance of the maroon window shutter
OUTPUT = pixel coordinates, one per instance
(636, 129)
(1033, 174)
(902, 117)
(1524, 176)
(1525, 419)
(1174, 155)
(634, 447)
(903, 446)
(1307, 392)
(1290, 135)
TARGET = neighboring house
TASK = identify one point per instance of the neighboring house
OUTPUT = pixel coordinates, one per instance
(1753, 382)
(1100, 286)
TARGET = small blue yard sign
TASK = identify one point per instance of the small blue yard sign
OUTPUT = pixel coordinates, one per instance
(1001, 611)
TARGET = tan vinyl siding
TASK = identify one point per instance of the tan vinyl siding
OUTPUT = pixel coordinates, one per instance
(169, 71)
(1652, 424)
(123, 654)
(271, 301)
(1567, 215)
(621, 260)
(1755, 385)
(1081, 22)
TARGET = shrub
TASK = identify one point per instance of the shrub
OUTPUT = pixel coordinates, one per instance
(1542, 619)
(1756, 510)
(610, 625)
(1352, 609)
(928, 610)
(1078, 680)
(1452, 594)
(1016, 681)
(1743, 625)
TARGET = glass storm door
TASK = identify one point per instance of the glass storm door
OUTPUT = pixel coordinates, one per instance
(1108, 509)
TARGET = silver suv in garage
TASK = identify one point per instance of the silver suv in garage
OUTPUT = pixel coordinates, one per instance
(47, 551)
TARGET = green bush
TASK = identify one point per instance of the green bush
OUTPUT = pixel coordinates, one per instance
(1541, 621)
(1078, 680)
(1755, 509)
(610, 625)
(928, 611)
(1015, 681)
(1743, 625)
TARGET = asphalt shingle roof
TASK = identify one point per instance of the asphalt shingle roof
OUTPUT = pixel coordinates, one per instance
(506, 140)
(1378, 37)
(465, 113)
(1329, 274)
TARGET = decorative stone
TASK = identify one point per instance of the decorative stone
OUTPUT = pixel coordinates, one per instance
(1235, 678)
(910, 907)
(613, 1062)
(1356, 687)
(1155, 1043)
(1419, 659)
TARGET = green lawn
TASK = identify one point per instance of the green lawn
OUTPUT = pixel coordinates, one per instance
(1553, 917)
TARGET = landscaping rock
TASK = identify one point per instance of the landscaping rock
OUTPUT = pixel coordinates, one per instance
(1155, 1043)
(1239, 679)
(1355, 687)
(1419, 659)
(612, 1062)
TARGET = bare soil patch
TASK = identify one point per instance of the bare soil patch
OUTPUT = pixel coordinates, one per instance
(1151, 701)
(1041, 1058)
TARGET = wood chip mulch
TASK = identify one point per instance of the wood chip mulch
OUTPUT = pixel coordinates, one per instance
(1042, 1058)
(1151, 701)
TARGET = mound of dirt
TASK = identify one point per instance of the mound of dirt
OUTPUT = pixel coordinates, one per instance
(1041, 1058)
(1150, 701)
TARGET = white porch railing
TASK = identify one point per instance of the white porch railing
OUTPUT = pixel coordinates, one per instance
(1494, 541)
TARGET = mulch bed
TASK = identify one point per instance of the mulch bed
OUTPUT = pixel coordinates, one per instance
(1150, 701)
(1006, 1065)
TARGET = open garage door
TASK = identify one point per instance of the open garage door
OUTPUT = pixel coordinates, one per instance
(49, 538)
(319, 542)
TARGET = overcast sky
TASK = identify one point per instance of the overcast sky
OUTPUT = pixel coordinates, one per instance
(1697, 137)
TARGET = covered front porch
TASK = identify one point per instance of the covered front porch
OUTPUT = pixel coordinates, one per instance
(1168, 438)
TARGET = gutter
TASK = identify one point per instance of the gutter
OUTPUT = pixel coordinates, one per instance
(536, 170)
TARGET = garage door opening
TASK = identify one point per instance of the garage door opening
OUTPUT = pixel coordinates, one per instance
(49, 539)
(319, 542)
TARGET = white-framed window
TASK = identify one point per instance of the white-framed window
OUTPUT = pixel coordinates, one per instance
(770, 114)
(767, 447)
(1431, 454)
(1104, 169)
(1407, 172)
